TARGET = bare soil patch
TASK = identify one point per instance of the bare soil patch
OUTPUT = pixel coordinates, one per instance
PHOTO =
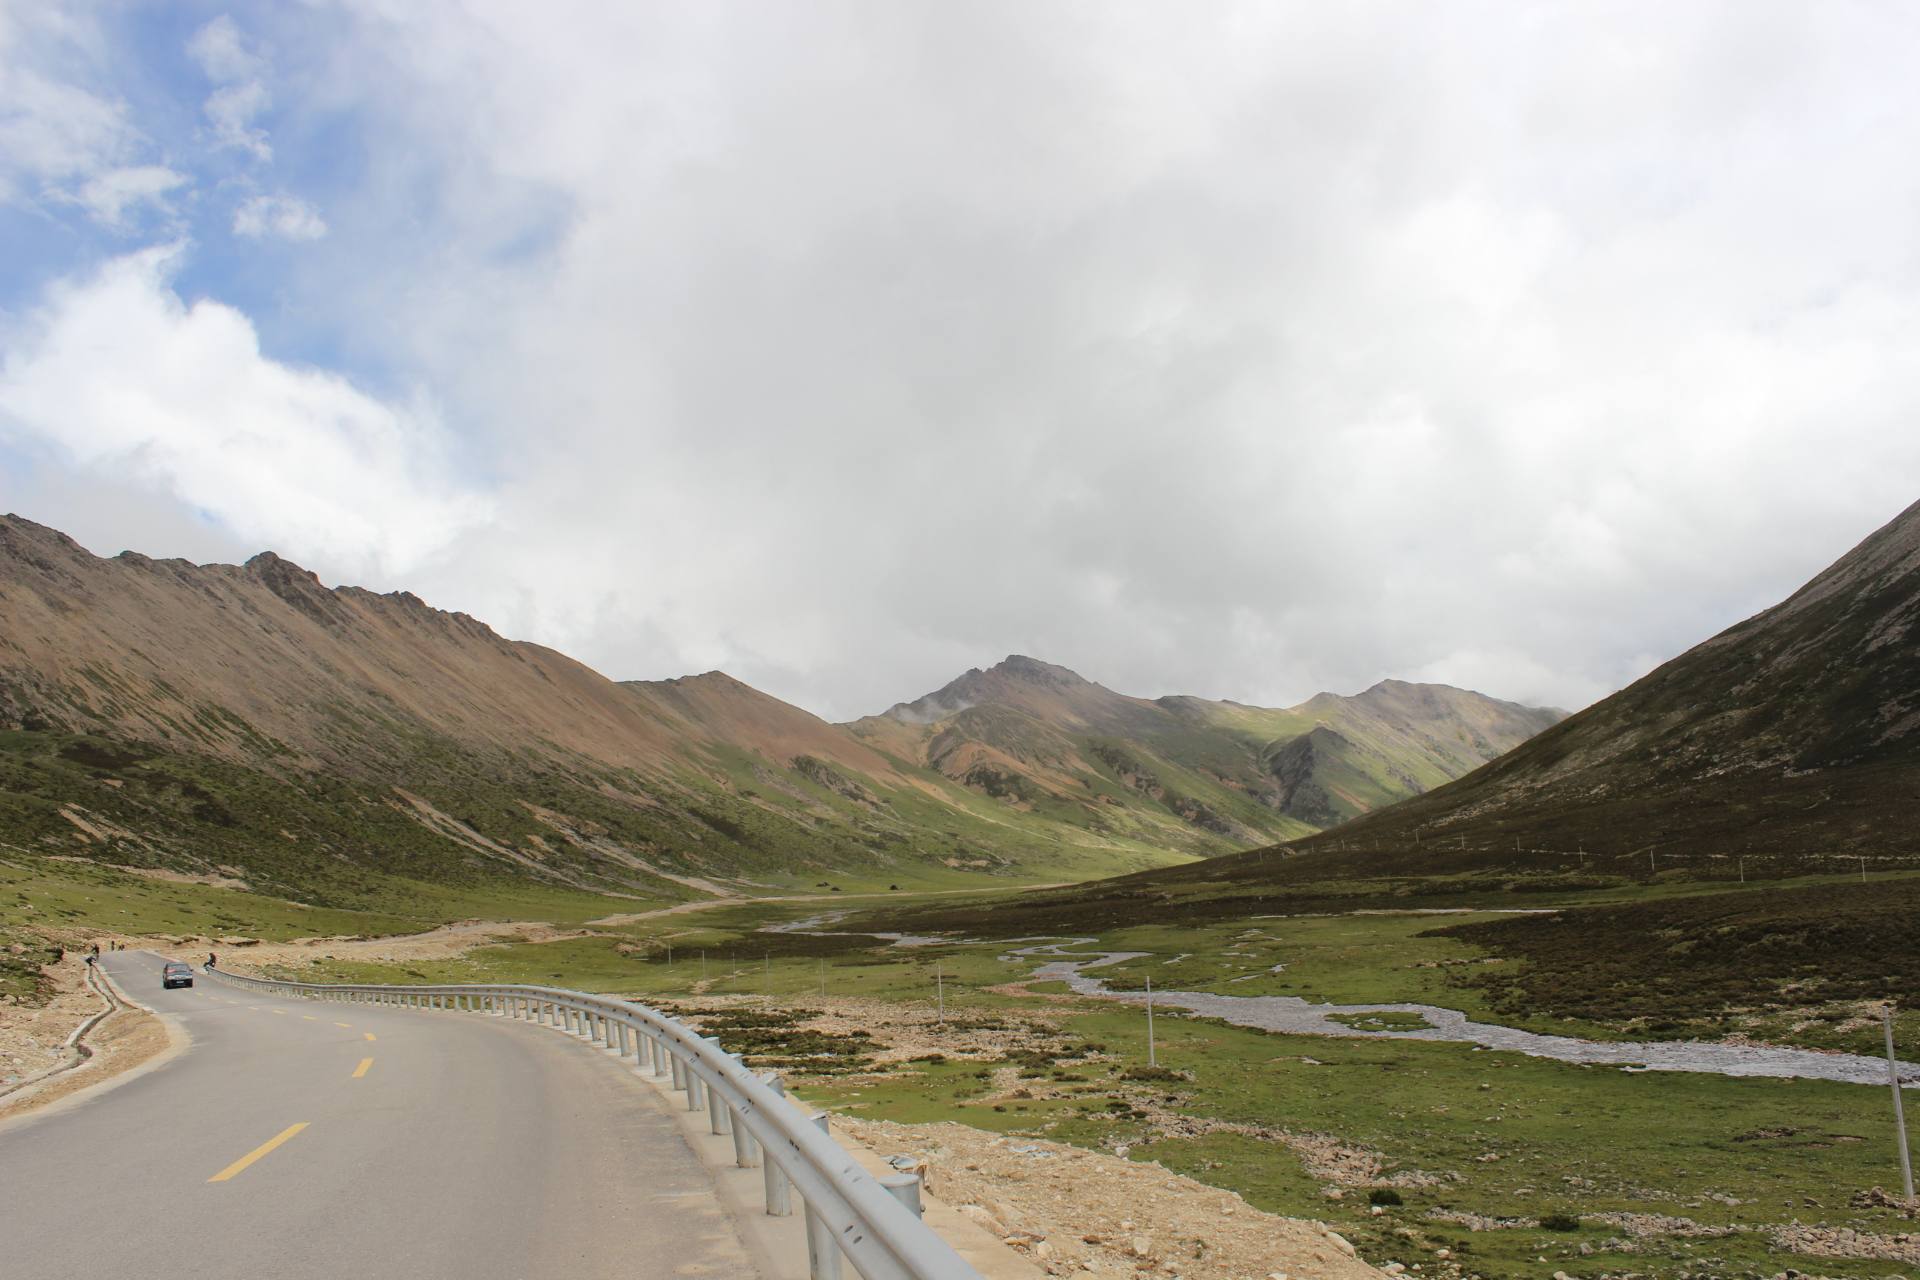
(1073, 1210)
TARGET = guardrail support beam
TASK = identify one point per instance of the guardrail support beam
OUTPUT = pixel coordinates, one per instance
(823, 1250)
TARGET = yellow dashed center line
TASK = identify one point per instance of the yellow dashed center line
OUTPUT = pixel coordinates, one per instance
(347, 1025)
(361, 1070)
(281, 1012)
(369, 1035)
(240, 1166)
(307, 1017)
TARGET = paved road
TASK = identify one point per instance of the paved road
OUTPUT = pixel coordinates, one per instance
(469, 1146)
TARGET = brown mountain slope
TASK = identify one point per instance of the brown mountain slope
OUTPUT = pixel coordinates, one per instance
(252, 723)
(192, 718)
(1036, 733)
(1788, 741)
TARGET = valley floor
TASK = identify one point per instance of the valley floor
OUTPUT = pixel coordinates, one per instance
(1462, 1161)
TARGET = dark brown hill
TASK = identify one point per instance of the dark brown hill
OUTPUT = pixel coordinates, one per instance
(1790, 741)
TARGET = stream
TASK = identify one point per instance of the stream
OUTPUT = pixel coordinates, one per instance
(1294, 1016)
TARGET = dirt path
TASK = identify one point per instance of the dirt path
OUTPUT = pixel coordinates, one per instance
(1073, 1210)
(32, 1042)
(682, 908)
(443, 943)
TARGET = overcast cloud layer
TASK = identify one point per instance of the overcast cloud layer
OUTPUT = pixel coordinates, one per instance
(1243, 351)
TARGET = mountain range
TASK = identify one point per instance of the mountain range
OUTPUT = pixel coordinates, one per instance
(1794, 733)
(1787, 744)
(248, 724)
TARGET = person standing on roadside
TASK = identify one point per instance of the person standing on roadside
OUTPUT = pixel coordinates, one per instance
(212, 960)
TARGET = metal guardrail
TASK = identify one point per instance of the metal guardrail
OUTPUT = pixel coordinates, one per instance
(874, 1223)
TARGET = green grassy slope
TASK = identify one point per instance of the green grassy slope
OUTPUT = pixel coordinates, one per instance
(250, 723)
(1197, 775)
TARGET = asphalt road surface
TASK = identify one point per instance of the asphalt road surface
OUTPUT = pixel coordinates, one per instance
(299, 1139)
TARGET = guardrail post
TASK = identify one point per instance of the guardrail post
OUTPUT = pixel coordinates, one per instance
(745, 1150)
(679, 1069)
(905, 1187)
(779, 1190)
(823, 1251)
(717, 1117)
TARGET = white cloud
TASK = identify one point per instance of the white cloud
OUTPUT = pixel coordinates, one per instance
(1284, 351)
(61, 140)
(119, 376)
(848, 347)
(288, 217)
(65, 139)
(110, 194)
(223, 54)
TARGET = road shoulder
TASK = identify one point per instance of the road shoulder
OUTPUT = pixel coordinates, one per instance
(128, 1043)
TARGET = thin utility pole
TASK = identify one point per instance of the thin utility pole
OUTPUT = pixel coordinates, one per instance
(1863, 870)
(1743, 870)
(1153, 1057)
(940, 990)
(1899, 1108)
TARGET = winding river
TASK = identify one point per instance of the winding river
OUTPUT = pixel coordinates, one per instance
(1295, 1016)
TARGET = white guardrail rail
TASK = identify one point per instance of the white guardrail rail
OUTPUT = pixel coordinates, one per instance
(875, 1223)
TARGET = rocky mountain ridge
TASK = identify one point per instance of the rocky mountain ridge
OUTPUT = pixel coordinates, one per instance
(1788, 742)
(250, 723)
(1040, 733)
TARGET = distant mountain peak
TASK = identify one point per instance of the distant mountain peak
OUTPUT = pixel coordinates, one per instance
(1007, 678)
(1018, 666)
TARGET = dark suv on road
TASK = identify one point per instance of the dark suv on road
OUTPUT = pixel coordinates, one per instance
(174, 974)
